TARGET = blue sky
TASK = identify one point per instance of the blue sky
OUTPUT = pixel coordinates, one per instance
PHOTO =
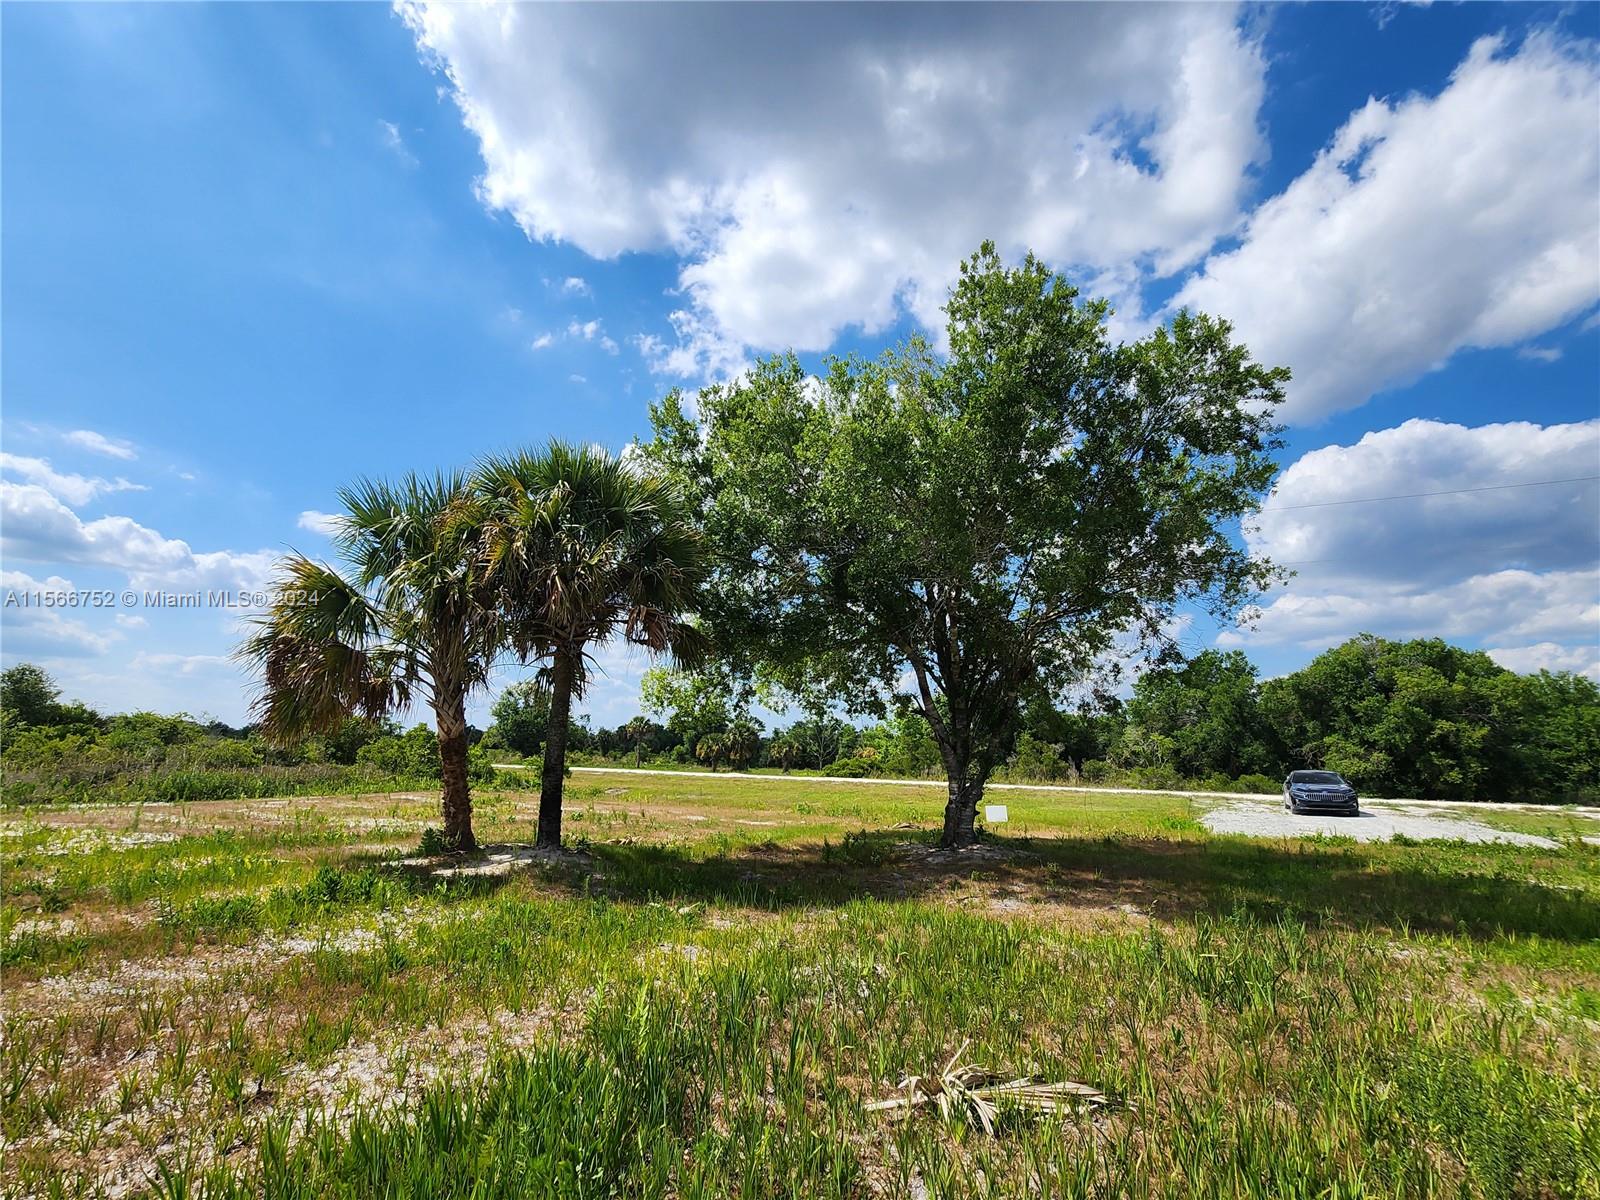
(253, 251)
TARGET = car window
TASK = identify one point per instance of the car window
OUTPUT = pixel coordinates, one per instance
(1314, 777)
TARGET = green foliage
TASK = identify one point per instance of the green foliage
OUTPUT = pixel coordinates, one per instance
(1427, 719)
(212, 914)
(1415, 718)
(28, 696)
(521, 717)
(858, 849)
(1079, 735)
(1206, 714)
(343, 743)
(1264, 784)
(412, 614)
(849, 768)
(742, 743)
(694, 704)
(1139, 747)
(820, 740)
(584, 547)
(411, 755)
(1035, 759)
(904, 745)
(148, 757)
(989, 520)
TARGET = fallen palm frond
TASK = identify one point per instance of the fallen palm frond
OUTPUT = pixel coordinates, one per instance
(958, 1090)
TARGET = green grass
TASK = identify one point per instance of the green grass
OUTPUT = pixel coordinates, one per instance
(702, 1007)
(1559, 823)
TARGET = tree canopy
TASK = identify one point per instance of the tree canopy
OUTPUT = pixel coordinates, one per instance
(1205, 710)
(522, 716)
(583, 547)
(1425, 718)
(967, 526)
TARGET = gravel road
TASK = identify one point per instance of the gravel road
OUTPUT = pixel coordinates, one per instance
(1379, 820)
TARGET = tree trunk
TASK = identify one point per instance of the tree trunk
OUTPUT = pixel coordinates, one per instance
(555, 752)
(960, 814)
(966, 778)
(455, 799)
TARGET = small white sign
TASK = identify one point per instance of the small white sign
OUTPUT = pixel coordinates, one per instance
(994, 814)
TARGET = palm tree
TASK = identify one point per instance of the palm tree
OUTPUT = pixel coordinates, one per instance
(742, 743)
(638, 731)
(583, 546)
(711, 749)
(411, 618)
(786, 751)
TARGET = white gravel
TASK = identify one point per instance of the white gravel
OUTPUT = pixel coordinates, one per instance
(1378, 822)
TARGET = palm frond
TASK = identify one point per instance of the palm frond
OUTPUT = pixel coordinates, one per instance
(321, 655)
(973, 1092)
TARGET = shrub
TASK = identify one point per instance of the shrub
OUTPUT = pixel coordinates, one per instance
(480, 766)
(1258, 783)
(223, 753)
(331, 887)
(849, 768)
(412, 755)
(1035, 759)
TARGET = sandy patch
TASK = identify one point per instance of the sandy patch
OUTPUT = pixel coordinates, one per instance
(493, 861)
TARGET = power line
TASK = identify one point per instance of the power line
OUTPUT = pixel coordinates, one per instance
(1497, 487)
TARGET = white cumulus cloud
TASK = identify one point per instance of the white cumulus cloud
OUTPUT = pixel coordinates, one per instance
(74, 489)
(1499, 607)
(1516, 567)
(817, 167)
(327, 524)
(592, 331)
(32, 628)
(36, 527)
(1310, 519)
(1548, 656)
(1431, 224)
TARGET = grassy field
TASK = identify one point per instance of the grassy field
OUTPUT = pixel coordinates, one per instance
(279, 999)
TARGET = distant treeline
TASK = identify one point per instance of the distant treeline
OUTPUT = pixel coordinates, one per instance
(67, 752)
(1420, 718)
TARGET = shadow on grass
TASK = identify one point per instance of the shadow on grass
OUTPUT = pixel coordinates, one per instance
(1476, 891)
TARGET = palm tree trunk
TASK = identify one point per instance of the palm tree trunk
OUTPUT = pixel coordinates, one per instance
(555, 751)
(455, 797)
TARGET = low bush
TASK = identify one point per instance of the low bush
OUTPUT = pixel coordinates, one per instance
(1258, 783)
(849, 768)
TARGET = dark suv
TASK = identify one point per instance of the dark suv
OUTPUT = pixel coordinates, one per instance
(1319, 791)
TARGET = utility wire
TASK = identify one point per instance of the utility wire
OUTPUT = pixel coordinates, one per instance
(1497, 487)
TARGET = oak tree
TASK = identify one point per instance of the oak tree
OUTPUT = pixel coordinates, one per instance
(965, 526)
